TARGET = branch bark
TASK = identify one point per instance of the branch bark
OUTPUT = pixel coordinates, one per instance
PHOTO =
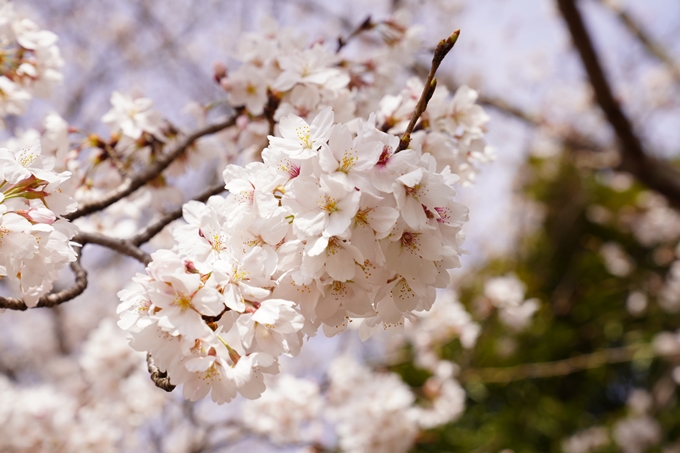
(655, 173)
(123, 246)
(160, 378)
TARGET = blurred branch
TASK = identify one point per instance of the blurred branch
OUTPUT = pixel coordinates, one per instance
(571, 138)
(160, 378)
(655, 173)
(560, 367)
(152, 230)
(138, 180)
(366, 25)
(635, 29)
(566, 134)
(53, 299)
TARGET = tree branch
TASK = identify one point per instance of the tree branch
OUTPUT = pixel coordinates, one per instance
(54, 299)
(366, 25)
(160, 378)
(142, 177)
(566, 134)
(560, 367)
(152, 230)
(123, 246)
(656, 174)
(653, 48)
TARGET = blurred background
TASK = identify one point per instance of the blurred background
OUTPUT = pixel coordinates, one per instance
(573, 272)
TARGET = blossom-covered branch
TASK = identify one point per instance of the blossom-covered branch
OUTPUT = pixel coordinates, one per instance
(138, 180)
(53, 299)
(152, 230)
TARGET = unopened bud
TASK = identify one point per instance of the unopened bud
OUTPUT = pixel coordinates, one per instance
(41, 215)
(220, 71)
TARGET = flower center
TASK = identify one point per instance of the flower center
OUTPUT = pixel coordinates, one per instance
(304, 133)
(349, 158)
(182, 301)
(25, 157)
(328, 204)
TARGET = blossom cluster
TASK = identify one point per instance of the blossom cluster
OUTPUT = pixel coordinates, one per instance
(30, 61)
(507, 295)
(96, 403)
(334, 226)
(35, 242)
(280, 74)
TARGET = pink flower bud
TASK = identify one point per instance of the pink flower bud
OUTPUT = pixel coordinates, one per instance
(39, 215)
(220, 70)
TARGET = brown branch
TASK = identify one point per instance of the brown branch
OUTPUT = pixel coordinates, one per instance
(655, 173)
(148, 174)
(560, 367)
(366, 25)
(152, 230)
(443, 48)
(160, 378)
(573, 139)
(652, 47)
(123, 246)
(54, 299)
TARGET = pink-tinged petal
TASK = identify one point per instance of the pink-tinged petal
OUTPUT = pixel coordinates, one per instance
(208, 302)
(233, 299)
(413, 214)
(199, 363)
(291, 125)
(382, 219)
(321, 125)
(412, 178)
(327, 160)
(311, 223)
(405, 298)
(246, 329)
(319, 246)
(340, 265)
(328, 306)
(338, 223)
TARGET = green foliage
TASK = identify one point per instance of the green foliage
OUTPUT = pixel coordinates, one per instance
(583, 309)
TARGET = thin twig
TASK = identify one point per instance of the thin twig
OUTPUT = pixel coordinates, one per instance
(560, 367)
(654, 48)
(568, 135)
(443, 48)
(152, 230)
(148, 174)
(54, 299)
(657, 174)
(160, 378)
